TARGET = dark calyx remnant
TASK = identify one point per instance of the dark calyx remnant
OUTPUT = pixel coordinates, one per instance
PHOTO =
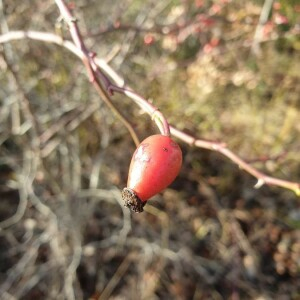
(132, 201)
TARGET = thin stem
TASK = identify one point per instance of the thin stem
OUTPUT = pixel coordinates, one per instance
(147, 107)
(87, 59)
(222, 148)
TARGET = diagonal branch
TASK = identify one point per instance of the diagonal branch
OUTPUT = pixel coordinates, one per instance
(87, 59)
(115, 83)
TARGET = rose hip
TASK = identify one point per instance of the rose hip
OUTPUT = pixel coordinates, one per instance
(154, 165)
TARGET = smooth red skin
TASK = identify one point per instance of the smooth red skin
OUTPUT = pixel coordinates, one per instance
(154, 165)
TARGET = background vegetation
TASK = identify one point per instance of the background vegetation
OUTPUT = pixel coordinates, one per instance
(216, 72)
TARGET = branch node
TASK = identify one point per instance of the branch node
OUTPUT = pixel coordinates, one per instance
(154, 113)
(110, 90)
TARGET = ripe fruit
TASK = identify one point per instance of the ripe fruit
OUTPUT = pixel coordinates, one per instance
(154, 165)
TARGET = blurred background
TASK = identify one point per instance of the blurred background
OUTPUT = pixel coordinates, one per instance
(220, 70)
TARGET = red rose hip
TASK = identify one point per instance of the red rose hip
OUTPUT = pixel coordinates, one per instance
(154, 165)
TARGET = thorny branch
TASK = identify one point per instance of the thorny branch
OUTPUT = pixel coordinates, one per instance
(101, 70)
(156, 115)
(107, 81)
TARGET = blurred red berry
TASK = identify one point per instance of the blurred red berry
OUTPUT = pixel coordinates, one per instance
(149, 39)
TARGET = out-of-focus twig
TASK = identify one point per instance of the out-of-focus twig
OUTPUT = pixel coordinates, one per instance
(116, 278)
(263, 18)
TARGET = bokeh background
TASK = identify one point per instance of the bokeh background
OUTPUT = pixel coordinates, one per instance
(220, 70)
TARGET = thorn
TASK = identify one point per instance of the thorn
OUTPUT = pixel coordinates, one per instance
(259, 184)
(92, 54)
(73, 20)
(297, 191)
